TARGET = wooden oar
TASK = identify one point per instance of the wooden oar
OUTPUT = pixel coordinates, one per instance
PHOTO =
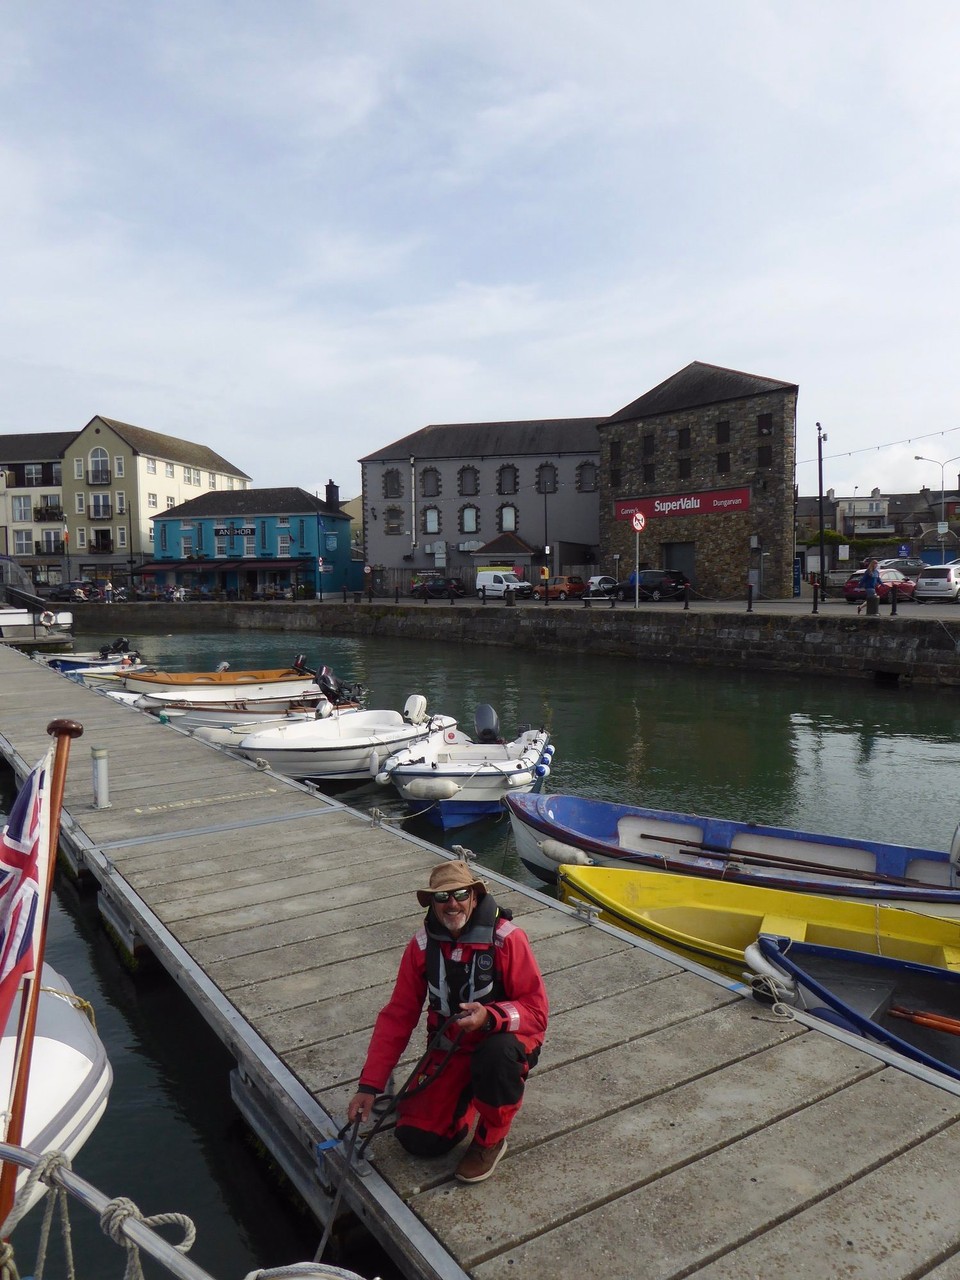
(776, 860)
(935, 1021)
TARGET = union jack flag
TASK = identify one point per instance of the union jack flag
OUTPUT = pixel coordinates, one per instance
(24, 855)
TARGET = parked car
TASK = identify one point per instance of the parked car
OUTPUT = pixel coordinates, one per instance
(889, 578)
(654, 584)
(77, 591)
(601, 585)
(493, 584)
(563, 587)
(938, 582)
(438, 588)
(908, 566)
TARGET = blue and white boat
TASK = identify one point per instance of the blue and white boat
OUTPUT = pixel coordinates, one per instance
(550, 830)
(453, 780)
(911, 1008)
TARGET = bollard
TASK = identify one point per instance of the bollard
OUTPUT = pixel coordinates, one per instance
(873, 607)
(453, 598)
(483, 595)
(369, 595)
(101, 781)
(586, 600)
(357, 597)
(749, 597)
(686, 597)
(613, 600)
(426, 596)
(344, 593)
(816, 598)
(508, 598)
(893, 601)
(396, 595)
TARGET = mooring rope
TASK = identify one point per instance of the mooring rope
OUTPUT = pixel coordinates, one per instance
(119, 1210)
(57, 1197)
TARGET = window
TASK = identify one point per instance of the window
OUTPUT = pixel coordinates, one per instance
(393, 520)
(508, 480)
(392, 484)
(50, 502)
(220, 546)
(431, 520)
(33, 474)
(765, 455)
(196, 477)
(151, 466)
(78, 468)
(21, 509)
(430, 482)
(723, 433)
(229, 482)
(649, 473)
(150, 535)
(764, 424)
(283, 544)
(118, 466)
(507, 519)
(211, 479)
(469, 520)
(615, 453)
(79, 504)
(168, 470)
(186, 544)
(81, 539)
(587, 477)
(151, 500)
(56, 473)
(121, 503)
(683, 468)
(99, 466)
(468, 482)
(614, 477)
(723, 463)
(187, 473)
(649, 446)
(171, 502)
(121, 536)
(546, 478)
(22, 542)
(683, 438)
(163, 537)
(249, 544)
(101, 508)
(284, 521)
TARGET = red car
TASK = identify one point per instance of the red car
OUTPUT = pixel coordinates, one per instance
(889, 578)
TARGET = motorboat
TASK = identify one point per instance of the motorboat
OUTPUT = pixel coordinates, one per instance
(911, 1008)
(278, 685)
(193, 713)
(23, 624)
(553, 829)
(227, 734)
(70, 1074)
(343, 745)
(713, 921)
(108, 663)
(453, 780)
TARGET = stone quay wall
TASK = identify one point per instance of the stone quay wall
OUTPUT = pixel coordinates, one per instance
(904, 648)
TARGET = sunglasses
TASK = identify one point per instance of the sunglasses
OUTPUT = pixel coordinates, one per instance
(458, 895)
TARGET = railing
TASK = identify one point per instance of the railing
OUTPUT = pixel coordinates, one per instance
(103, 548)
(100, 511)
(43, 514)
(48, 548)
(99, 476)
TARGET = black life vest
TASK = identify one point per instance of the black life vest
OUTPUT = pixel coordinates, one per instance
(452, 983)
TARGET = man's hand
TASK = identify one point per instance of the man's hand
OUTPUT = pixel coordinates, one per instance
(361, 1104)
(473, 1016)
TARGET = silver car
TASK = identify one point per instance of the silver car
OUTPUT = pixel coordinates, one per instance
(938, 582)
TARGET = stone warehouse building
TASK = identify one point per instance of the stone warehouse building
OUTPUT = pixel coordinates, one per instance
(707, 459)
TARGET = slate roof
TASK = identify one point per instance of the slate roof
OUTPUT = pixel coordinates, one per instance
(697, 385)
(253, 502)
(494, 440)
(154, 444)
(34, 446)
(505, 545)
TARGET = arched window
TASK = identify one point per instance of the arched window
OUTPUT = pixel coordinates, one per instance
(431, 520)
(508, 480)
(99, 466)
(430, 482)
(587, 477)
(546, 478)
(507, 518)
(469, 482)
(392, 484)
(469, 519)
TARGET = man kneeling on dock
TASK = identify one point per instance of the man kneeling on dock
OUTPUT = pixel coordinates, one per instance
(487, 1014)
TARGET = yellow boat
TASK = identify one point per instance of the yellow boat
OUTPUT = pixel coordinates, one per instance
(712, 921)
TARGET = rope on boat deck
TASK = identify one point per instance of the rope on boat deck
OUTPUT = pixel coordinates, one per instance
(768, 991)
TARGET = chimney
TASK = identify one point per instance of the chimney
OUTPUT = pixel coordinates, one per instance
(333, 495)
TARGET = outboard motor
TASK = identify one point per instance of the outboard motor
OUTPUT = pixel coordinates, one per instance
(486, 724)
(120, 645)
(330, 686)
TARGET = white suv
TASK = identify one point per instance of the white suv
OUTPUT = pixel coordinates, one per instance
(938, 582)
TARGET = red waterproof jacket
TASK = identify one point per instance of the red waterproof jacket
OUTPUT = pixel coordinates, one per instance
(519, 1003)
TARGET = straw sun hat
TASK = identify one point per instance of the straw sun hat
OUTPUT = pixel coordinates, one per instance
(450, 875)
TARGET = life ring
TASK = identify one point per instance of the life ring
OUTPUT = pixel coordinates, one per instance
(47, 618)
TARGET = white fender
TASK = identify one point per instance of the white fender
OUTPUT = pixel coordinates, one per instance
(522, 779)
(431, 788)
(560, 853)
(373, 764)
(383, 777)
(760, 966)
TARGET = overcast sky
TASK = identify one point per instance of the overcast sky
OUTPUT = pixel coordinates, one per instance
(298, 231)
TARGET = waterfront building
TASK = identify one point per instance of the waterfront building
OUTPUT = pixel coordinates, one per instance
(254, 544)
(31, 501)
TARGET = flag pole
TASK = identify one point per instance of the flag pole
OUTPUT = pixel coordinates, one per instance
(63, 731)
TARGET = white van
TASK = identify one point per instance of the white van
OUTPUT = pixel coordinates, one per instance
(492, 583)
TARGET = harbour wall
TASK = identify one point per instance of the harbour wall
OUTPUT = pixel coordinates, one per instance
(903, 648)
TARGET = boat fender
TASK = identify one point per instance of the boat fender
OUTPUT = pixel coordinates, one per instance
(560, 853)
(261, 763)
(374, 763)
(431, 788)
(549, 749)
(542, 771)
(772, 979)
(521, 779)
(955, 848)
(47, 618)
(383, 777)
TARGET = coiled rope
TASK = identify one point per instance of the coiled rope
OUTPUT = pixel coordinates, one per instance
(119, 1210)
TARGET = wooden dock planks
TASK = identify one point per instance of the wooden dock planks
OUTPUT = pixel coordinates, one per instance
(671, 1128)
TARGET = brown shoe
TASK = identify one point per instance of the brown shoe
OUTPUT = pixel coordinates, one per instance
(479, 1162)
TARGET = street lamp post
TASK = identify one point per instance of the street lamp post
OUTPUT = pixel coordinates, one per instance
(919, 457)
(821, 436)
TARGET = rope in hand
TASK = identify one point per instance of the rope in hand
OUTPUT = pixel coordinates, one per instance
(116, 1213)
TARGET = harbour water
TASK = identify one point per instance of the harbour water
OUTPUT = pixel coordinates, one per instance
(853, 759)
